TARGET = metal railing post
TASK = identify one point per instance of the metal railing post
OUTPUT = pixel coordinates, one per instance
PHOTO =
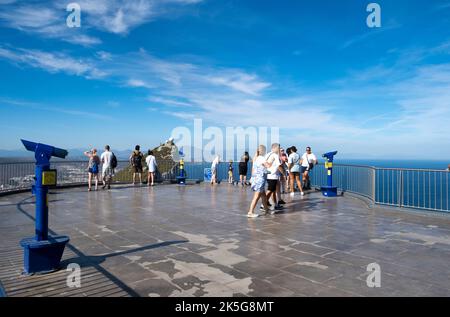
(374, 183)
(401, 192)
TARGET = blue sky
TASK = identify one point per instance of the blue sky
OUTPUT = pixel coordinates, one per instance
(135, 70)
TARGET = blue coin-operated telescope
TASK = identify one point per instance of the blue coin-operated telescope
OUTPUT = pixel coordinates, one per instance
(42, 253)
(329, 190)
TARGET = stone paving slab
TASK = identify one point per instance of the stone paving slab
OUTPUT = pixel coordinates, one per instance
(197, 241)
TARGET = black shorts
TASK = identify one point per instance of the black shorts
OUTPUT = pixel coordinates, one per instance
(272, 185)
(243, 170)
(295, 174)
(137, 169)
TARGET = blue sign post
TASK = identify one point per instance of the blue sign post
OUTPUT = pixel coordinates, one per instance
(329, 190)
(42, 253)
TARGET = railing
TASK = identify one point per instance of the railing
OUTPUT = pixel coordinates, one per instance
(16, 176)
(399, 187)
(351, 178)
(413, 188)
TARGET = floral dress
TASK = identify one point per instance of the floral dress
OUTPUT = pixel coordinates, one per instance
(259, 175)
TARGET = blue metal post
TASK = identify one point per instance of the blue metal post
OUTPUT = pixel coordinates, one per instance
(329, 190)
(330, 173)
(41, 193)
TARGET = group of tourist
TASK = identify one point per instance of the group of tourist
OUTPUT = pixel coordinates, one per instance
(108, 162)
(280, 170)
(273, 174)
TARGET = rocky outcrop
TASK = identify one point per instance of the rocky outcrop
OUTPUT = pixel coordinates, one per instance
(167, 158)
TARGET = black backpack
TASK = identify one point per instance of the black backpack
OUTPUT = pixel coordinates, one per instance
(137, 159)
(113, 161)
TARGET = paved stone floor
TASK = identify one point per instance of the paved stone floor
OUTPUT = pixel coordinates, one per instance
(197, 241)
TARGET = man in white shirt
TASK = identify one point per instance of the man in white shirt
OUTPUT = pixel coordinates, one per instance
(107, 170)
(273, 178)
(307, 162)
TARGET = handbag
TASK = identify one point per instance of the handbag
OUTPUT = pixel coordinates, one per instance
(310, 165)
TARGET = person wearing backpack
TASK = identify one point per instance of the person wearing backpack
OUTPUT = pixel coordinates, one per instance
(93, 167)
(136, 159)
(294, 171)
(109, 163)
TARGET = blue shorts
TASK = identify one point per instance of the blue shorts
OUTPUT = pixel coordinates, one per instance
(303, 169)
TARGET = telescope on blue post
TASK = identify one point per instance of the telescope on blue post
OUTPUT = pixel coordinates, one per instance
(329, 190)
(42, 253)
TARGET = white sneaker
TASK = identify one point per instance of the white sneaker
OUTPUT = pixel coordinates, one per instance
(252, 215)
(302, 193)
(292, 194)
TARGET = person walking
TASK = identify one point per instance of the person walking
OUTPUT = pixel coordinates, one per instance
(214, 170)
(307, 162)
(243, 169)
(136, 159)
(281, 189)
(152, 167)
(108, 161)
(230, 173)
(258, 182)
(294, 171)
(273, 178)
(93, 167)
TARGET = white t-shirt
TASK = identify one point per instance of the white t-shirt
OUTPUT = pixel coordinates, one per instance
(151, 163)
(294, 158)
(106, 159)
(274, 172)
(308, 157)
(260, 160)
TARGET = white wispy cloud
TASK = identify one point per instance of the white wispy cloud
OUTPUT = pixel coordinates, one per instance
(55, 109)
(51, 62)
(46, 21)
(113, 16)
(391, 25)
